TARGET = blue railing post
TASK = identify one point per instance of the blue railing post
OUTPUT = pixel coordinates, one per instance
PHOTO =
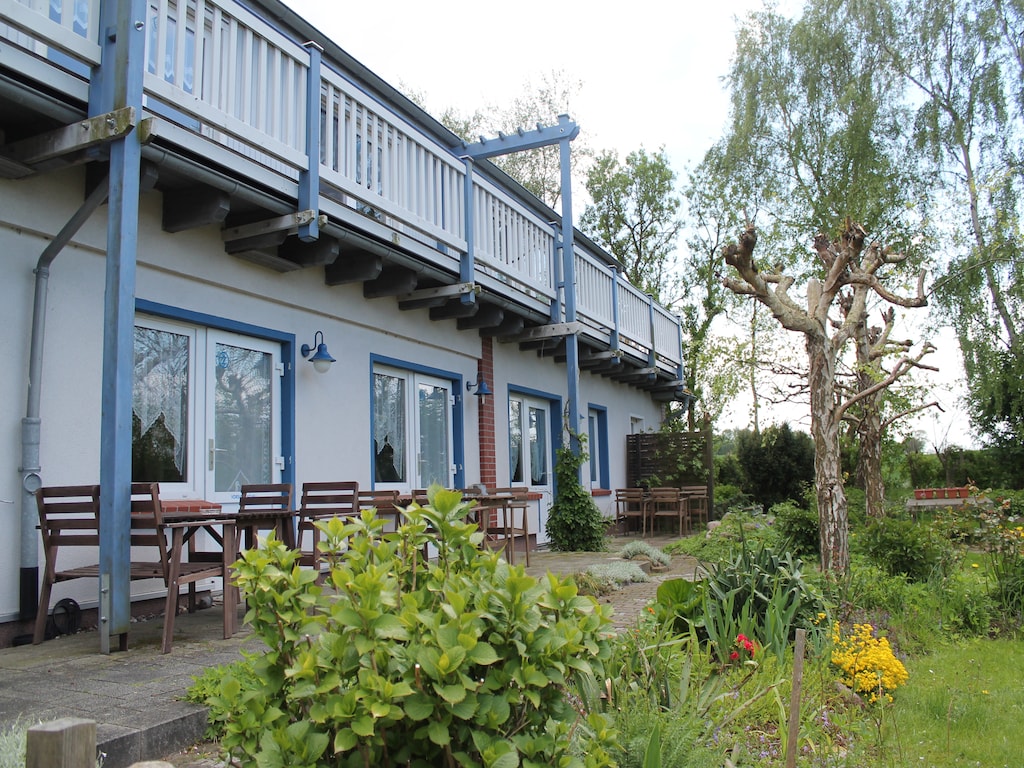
(558, 280)
(309, 179)
(115, 84)
(652, 355)
(467, 264)
(613, 340)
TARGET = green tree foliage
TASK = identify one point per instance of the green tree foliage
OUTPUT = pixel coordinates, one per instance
(714, 365)
(815, 130)
(963, 65)
(634, 215)
(778, 464)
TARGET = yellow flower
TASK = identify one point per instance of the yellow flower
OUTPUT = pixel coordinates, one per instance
(867, 663)
(974, 565)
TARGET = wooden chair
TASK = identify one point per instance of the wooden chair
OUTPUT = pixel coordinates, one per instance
(385, 502)
(322, 501)
(69, 517)
(180, 567)
(697, 503)
(267, 497)
(631, 504)
(515, 519)
(670, 503)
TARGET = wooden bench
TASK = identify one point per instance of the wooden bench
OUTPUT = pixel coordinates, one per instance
(69, 518)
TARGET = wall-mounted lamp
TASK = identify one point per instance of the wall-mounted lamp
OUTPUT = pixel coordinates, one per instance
(482, 390)
(321, 358)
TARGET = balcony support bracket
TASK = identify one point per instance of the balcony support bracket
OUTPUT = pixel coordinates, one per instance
(436, 297)
(39, 152)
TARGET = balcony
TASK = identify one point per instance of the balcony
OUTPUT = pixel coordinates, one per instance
(363, 184)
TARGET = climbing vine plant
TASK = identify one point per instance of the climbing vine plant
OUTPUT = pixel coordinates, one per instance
(575, 524)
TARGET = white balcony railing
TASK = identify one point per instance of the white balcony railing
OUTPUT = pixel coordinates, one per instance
(219, 70)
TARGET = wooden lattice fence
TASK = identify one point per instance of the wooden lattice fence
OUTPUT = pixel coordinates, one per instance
(670, 459)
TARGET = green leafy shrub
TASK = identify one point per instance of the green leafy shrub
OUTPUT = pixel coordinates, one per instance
(968, 609)
(905, 547)
(778, 463)
(460, 660)
(1003, 540)
(729, 498)
(799, 527)
(575, 524)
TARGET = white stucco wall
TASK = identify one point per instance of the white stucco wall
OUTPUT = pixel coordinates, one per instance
(190, 271)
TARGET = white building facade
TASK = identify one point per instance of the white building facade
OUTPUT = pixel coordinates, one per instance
(266, 220)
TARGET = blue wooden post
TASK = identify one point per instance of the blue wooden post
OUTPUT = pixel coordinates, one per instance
(309, 179)
(572, 350)
(117, 83)
(467, 264)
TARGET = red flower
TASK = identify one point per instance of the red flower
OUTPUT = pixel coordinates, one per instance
(734, 656)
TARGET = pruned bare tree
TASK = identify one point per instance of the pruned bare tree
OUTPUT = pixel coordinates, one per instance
(853, 272)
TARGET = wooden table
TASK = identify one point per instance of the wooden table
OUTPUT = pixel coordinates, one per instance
(185, 518)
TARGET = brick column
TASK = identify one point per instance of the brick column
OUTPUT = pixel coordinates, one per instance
(485, 409)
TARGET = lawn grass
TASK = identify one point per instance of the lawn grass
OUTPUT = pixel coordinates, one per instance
(963, 706)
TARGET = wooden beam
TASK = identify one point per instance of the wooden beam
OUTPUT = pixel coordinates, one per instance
(318, 253)
(266, 258)
(455, 310)
(434, 297)
(551, 331)
(592, 360)
(353, 267)
(72, 138)
(486, 316)
(393, 281)
(636, 375)
(194, 207)
(510, 327)
(288, 224)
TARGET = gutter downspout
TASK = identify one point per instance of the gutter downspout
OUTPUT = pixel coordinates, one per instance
(30, 425)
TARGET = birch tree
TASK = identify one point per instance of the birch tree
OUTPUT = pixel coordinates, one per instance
(853, 272)
(964, 63)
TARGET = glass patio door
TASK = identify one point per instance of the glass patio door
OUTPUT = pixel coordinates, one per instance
(242, 431)
(205, 410)
(412, 430)
(529, 443)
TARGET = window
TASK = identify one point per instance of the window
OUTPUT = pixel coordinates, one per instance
(412, 429)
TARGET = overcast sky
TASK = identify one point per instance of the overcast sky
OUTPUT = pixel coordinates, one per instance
(651, 74)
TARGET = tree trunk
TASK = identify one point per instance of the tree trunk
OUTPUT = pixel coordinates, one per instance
(869, 455)
(870, 462)
(832, 510)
